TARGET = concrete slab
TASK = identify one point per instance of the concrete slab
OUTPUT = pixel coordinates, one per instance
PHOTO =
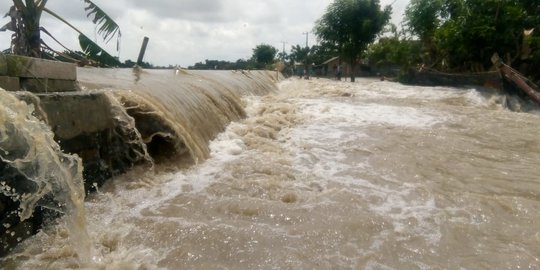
(68, 113)
(28, 67)
(88, 124)
(10, 83)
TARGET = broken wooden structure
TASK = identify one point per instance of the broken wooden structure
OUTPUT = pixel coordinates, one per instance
(518, 80)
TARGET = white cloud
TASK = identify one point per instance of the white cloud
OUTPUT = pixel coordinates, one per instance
(189, 31)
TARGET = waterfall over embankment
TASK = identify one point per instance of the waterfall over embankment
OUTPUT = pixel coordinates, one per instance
(123, 117)
(179, 112)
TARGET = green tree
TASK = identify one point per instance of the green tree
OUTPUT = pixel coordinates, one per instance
(322, 52)
(422, 19)
(395, 50)
(264, 54)
(284, 56)
(26, 39)
(462, 35)
(350, 26)
(482, 28)
(298, 54)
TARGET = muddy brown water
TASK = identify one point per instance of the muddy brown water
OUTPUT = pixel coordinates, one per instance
(328, 175)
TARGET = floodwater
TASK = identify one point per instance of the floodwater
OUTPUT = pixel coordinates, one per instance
(328, 175)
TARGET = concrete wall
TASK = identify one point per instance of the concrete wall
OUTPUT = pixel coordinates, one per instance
(86, 124)
(36, 75)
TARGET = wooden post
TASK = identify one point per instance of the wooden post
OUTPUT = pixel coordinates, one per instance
(143, 50)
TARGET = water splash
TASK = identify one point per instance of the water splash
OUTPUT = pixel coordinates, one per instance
(41, 174)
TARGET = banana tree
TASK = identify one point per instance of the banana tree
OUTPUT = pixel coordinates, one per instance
(26, 39)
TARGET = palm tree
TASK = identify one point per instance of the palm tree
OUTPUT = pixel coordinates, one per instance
(26, 39)
(299, 54)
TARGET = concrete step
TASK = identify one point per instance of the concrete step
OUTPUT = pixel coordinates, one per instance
(36, 75)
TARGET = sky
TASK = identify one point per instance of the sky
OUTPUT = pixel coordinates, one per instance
(183, 32)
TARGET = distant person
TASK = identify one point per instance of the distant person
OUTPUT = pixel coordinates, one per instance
(338, 73)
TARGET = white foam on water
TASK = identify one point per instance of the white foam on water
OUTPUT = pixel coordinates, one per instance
(357, 115)
(330, 151)
(332, 126)
(430, 93)
(427, 95)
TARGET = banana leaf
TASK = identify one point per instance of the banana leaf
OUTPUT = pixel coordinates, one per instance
(107, 27)
(90, 48)
(95, 52)
(8, 26)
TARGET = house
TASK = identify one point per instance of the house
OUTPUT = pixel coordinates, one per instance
(329, 68)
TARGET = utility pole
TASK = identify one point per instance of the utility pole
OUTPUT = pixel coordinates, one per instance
(307, 66)
(142, 51)
(283, 51)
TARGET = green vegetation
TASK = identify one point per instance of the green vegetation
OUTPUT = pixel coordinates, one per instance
(264, 55)
(462, 35)
(446, 35)
(395, 51)
(26, 39)
(224, 65)
(299, 54)
(350, 26)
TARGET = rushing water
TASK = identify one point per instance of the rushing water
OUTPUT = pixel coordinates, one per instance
(328, 175)
(27, 147)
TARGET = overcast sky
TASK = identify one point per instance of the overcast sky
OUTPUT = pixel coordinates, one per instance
(183, 32)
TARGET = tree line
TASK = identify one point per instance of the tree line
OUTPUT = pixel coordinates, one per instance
(262, 58)
(447, 35)
(458, 36)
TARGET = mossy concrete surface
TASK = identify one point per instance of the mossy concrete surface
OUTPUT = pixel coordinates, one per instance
(3, 65)
(84, 123)
(29, 67)
(36, 75)
(10, 83)
(72, 114)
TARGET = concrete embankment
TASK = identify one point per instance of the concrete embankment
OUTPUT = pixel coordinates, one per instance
(113, 119)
